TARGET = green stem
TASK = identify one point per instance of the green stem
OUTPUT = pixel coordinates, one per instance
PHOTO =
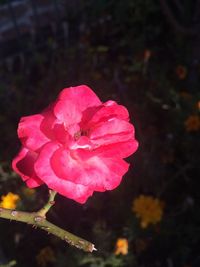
(38, 219)
(48, 205)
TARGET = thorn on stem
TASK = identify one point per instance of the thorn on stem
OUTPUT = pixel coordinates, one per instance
(45, 228)
(92, 248)
(39, 219)
(70, 242)
(14, 213)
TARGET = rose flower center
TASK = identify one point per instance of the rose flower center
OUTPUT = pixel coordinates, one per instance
(80, 133)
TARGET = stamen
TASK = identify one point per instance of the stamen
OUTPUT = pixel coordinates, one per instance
(80, 133)
(77, 135)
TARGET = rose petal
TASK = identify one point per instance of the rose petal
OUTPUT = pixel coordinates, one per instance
(49, 122)
(104, 173)
(118, 150)
(82, 96)
(87, 168)
(72, 102)
(44, 169)
(61, 134)
(23, 164)
(66, 111)
(108, 111)
(112, 131)
(36, 130)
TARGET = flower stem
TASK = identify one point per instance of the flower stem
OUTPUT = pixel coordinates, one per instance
(38, 219)
(48, 205)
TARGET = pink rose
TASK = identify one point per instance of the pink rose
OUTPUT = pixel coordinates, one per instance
(76, 146)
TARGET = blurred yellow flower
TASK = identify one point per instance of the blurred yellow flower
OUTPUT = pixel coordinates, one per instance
(121, 246)
(9, 201)
(192, 123)
(181, 72)
(45, 256)
(148, 209)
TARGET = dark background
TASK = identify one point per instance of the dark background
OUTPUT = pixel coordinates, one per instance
(144, 54)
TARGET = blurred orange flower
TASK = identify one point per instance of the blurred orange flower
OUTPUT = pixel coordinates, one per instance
(9, 201)
(168, 157)
(198, 105)
(121, 246)
(185, 95)
(147, 54)
(192, 123)
(140, 245)
(148, 209)
(181, 72)
(45, 256)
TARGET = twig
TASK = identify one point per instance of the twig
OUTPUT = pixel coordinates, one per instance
(179, 6)
(173, 21)
(176, 175)
(48, 205)
(38, 219)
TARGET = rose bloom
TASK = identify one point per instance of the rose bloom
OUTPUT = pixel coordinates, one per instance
(76, 146)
